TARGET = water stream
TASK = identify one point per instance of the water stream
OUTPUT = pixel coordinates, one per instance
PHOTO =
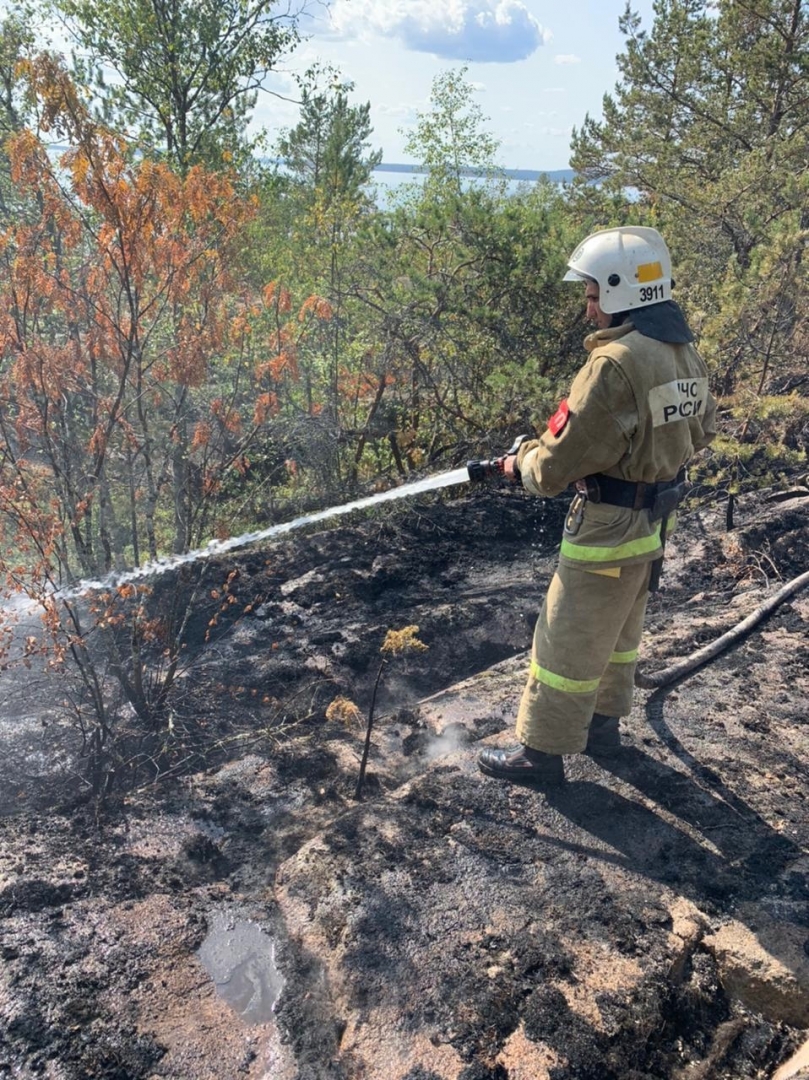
(217, 547)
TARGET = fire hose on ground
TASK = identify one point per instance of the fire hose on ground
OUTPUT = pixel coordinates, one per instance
(656, 679)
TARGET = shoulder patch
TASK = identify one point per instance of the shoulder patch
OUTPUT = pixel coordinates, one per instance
(559, 419)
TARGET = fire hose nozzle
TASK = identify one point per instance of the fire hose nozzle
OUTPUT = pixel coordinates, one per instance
(485, 470)
(480, 470)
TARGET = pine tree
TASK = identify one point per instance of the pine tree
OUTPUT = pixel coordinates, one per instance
(327, 153)
(709, 125)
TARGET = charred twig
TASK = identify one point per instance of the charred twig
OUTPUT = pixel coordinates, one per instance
(366, 749)
(708, 652)
(395, 643)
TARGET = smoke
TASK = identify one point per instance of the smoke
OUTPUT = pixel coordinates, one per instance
(452, 738)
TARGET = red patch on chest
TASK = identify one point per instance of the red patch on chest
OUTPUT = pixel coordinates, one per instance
(559, 419)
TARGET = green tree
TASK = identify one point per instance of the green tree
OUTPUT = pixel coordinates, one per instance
(451, 139)
(16, 40)
(474, 325)
(709, 124)
(186, 72)
(314, 206)
(327, 154)
(462, 283)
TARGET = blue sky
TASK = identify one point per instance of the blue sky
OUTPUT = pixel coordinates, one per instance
(538, 67)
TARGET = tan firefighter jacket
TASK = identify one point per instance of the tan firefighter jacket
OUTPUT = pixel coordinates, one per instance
(637, 410)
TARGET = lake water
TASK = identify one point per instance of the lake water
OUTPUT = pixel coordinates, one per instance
(388, 183)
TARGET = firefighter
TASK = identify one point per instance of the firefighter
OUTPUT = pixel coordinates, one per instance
(636, 412)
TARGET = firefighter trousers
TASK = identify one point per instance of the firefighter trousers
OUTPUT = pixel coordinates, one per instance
(584, 655)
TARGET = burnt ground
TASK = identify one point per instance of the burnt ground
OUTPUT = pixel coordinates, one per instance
(249, 918)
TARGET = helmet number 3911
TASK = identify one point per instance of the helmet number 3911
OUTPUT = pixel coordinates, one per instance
(651, 293)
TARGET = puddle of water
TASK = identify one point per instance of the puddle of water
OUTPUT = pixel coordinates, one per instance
(240, 958)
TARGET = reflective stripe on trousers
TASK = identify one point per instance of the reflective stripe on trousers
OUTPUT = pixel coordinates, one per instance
(584, 655)
(644, 545)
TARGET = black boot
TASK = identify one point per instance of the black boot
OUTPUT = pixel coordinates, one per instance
(522, 763)
(604, 737)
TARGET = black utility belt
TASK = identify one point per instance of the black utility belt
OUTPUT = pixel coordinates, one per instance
(600, 488)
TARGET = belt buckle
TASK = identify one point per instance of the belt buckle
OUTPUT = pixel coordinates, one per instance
(588, 487)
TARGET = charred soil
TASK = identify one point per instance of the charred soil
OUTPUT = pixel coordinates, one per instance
(649, 919)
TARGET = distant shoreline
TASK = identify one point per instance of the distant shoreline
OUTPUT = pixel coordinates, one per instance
(556, 176)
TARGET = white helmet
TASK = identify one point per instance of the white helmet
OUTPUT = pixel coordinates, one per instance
(631, 265)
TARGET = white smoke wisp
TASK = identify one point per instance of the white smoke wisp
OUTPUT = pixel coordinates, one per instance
(452, 738)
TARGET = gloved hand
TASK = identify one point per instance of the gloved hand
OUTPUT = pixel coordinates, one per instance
(511, 470)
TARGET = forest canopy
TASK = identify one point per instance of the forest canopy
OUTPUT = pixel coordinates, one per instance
(195, 335)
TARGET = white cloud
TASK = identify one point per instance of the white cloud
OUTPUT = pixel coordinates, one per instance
(401, 112)
(494, 31)
(566, 58)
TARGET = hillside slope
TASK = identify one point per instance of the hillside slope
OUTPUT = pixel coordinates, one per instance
(648, 920)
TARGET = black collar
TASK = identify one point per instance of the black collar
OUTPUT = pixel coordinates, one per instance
(663, 322)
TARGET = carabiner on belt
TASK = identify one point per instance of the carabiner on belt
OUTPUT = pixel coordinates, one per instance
(575, 514)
